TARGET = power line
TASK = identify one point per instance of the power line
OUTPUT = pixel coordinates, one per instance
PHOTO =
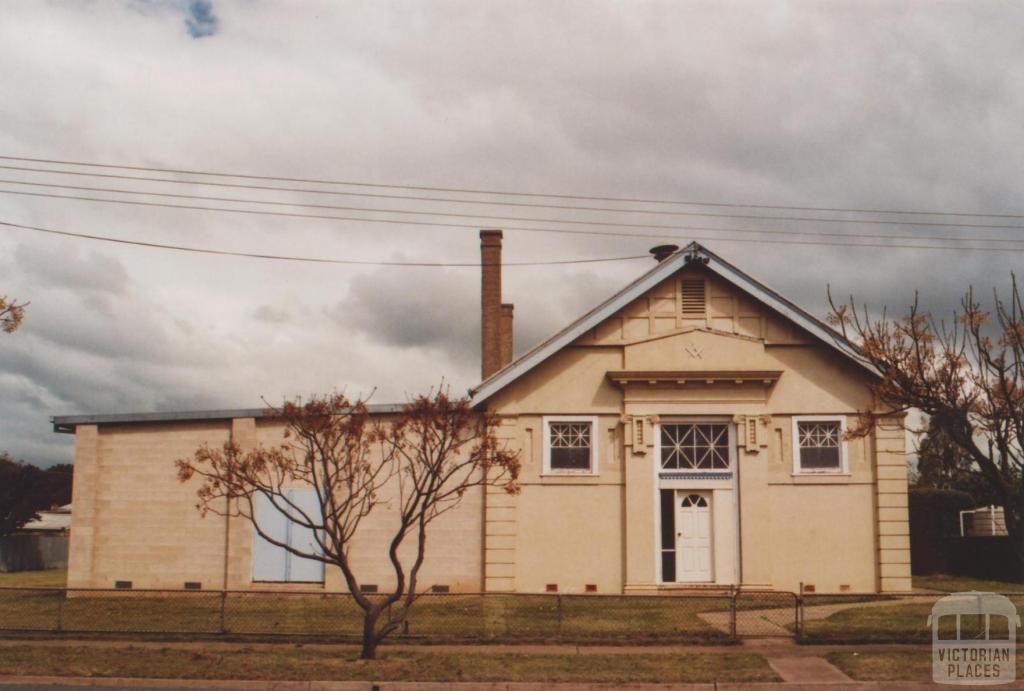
(449, 200)
(564, 231)
(538, 195)
(810, 243)
(316, 260)
(486, 217)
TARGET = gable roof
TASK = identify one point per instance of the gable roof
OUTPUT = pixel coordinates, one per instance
(664, 270)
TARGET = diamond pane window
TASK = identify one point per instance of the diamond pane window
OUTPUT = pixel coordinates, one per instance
(820, 444)
(570, 444)
(695, 446)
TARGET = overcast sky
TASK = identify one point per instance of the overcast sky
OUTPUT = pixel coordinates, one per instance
(905, 106)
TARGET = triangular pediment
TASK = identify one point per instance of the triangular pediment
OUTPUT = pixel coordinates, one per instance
(694, 297)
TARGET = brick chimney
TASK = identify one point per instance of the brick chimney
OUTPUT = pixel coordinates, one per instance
(507, 312)
(490, 303)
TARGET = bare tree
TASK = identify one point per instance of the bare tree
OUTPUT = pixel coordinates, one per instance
(941, 464)
(967, 375)
(11, 313)
(421, 461)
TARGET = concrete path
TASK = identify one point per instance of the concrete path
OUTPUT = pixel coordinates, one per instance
(119, 684)
(807, 669)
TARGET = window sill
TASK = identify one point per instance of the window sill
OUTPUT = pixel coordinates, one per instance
(797, 479)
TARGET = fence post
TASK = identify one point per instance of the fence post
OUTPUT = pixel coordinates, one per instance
(799, 616)
(60, 609)
(732, 612)
(223, 608)
(559, 599)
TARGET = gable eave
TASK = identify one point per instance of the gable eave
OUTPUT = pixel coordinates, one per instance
(789, 310)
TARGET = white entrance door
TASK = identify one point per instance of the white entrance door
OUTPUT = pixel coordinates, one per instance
(693, 537)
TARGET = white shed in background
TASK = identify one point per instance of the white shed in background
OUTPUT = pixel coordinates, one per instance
(54, 520)
(42, 543)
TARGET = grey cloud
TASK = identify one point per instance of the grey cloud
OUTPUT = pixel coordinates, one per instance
(442, 312)
(429, 310)
(40, 380)
(837, 105)
(65, 267)
(122, 329)
(272, 314)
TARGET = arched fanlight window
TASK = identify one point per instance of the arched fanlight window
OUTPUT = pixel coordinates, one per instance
(694, 500)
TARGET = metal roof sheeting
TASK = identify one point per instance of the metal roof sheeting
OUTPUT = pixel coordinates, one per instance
(67, 423)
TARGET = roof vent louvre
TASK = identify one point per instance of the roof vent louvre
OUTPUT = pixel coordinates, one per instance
(692, 292)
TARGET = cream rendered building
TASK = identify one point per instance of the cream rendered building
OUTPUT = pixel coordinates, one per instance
(687, 433)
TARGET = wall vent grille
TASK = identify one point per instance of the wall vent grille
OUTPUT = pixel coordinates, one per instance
(693, 298)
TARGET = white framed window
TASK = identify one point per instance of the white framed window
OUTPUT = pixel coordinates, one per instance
(570, 445)
(819, 445)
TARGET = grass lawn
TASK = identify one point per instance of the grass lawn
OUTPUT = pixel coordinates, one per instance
(51, 578)
(291, 662)
(953, 584)
(909, 665)
(897, 624)
(900, 623)
(449, 618)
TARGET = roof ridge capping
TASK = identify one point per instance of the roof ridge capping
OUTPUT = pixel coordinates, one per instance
(691, 253)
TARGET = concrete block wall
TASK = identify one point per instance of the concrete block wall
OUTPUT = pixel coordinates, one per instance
(150, 531)
(135, 521)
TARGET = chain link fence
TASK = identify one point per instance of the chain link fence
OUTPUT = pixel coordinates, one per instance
(435, 617)
(767, 613)
(711, 618)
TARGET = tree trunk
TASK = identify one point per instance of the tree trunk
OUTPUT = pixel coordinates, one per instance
(370, 640)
